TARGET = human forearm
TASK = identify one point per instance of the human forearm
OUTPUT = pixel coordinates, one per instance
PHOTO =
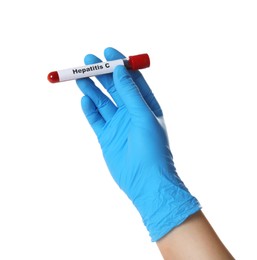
(193, 239)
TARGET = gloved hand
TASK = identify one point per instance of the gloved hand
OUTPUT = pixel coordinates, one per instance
(131, 131)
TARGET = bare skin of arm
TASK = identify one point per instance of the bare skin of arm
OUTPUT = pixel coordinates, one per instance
(195, 239)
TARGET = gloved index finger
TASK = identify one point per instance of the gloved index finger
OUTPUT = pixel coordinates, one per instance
(147, 93)
(106, 80)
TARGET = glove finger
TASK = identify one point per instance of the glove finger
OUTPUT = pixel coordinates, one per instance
(92, 114)
(147, 93)
(103, 104)
(129, 93)
(106, 80)
(113, 54)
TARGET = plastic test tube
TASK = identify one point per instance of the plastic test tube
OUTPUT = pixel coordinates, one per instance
(135, 62)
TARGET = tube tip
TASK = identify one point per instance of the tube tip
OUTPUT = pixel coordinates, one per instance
(53, 77)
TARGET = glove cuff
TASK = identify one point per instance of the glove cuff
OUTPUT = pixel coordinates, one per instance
(164, 207)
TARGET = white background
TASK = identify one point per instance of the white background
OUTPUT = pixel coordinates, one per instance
(57, 199)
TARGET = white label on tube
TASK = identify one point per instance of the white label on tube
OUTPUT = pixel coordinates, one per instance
(89, 70)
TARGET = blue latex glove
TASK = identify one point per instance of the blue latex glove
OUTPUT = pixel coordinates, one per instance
(131, 131)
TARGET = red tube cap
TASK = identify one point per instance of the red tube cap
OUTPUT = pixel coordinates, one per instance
(139, 61)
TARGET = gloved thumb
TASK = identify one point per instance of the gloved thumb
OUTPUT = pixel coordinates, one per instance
(129, 92)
